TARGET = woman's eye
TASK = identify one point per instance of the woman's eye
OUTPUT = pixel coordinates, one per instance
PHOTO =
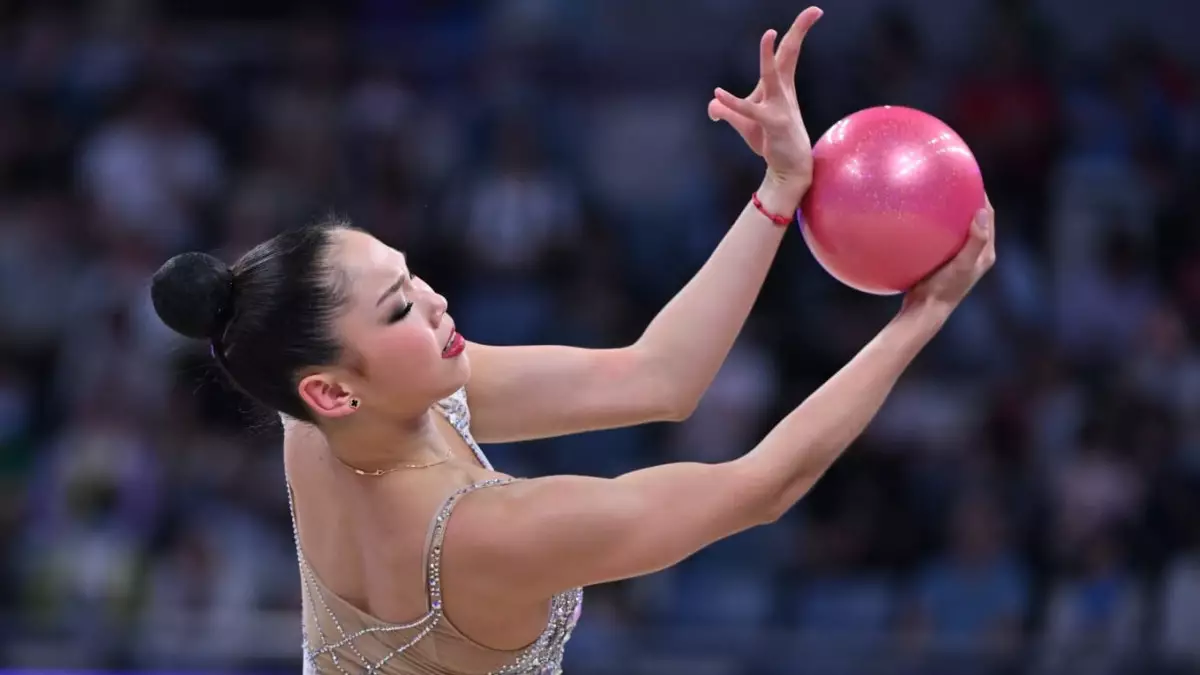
(401, 312)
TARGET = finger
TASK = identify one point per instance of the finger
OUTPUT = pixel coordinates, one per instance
(718, 111)
(989, 217)
(793, 40)
(978, 239)
(989, 251)
(738, 105)
(756, 96)
(769, 76)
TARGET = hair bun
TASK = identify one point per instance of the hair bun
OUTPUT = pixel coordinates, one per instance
(191, 293)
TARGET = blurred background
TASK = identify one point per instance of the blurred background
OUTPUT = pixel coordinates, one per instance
(1028, 501)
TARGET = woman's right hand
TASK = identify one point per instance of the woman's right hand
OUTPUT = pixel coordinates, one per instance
(946, 288)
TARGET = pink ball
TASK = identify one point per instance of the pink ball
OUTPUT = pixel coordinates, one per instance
(893, 195)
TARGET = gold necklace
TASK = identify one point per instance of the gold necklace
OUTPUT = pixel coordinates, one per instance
(382, 472)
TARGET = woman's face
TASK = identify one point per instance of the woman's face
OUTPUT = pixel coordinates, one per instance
(401, 350)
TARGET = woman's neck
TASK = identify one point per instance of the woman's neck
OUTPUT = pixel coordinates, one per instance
(371, 445)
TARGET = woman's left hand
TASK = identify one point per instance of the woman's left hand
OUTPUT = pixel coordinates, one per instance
(769, 118)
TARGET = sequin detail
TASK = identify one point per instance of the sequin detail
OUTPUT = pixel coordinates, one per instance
(454, 407)
(543, 657)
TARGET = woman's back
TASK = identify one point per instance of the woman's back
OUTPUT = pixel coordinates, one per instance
(376, 604)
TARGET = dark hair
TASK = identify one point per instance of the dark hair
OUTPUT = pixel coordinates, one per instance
(267, 318)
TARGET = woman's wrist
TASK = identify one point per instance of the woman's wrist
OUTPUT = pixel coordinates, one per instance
(926, 311)
(781, 196)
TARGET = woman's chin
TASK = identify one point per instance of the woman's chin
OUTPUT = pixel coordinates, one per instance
(460, 373)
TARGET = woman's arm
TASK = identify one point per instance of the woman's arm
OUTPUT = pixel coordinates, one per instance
(519, 393)
(543, 536)
(532, 392)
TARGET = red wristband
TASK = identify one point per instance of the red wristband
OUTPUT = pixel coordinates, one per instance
(777, 219)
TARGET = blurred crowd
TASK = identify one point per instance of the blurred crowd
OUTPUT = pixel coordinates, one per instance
(1028, 501)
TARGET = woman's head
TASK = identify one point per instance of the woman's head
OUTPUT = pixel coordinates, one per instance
(315, 319)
